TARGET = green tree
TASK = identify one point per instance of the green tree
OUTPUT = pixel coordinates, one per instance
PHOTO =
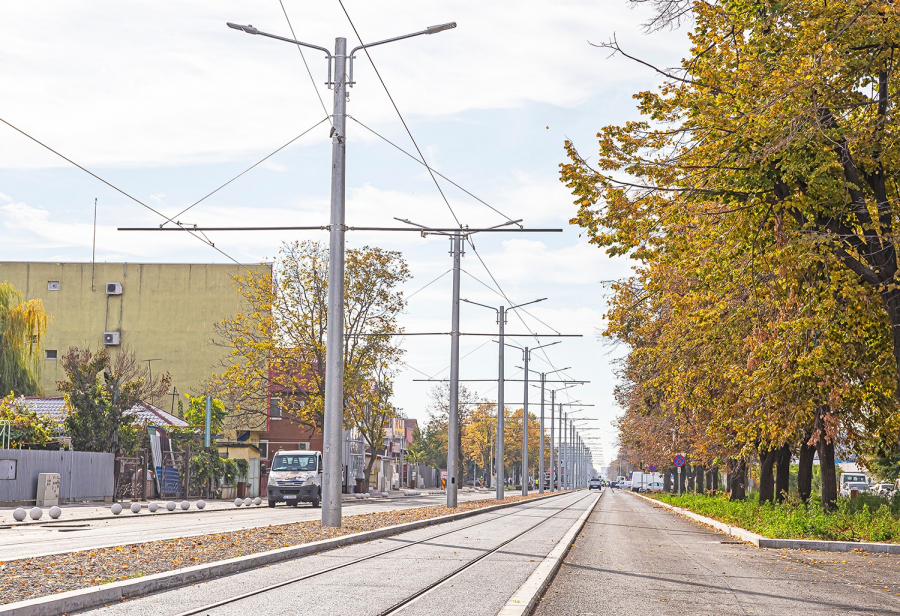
(23, 325)
(28, 430)
(99, 392)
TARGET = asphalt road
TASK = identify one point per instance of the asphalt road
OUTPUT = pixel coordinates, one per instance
(375, 585)
(635, 558)
(23, 541)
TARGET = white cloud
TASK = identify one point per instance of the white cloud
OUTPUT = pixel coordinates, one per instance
(113, 83)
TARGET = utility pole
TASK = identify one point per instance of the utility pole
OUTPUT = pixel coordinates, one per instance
(552, 438)
(527, 355)
(453, 427)
(541, 457)
(334, 345)
(501, 321)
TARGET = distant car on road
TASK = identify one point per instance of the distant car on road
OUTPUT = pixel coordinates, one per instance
(885, 488)
(853, 481)
(595, 482)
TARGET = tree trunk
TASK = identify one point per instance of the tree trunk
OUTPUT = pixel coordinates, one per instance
(667, 480)
(698, 482)
(737, 479)
(804, 472)
(766, 480)
(891, 299)
(689, 471)
(783, 473)
(714, 482)
(825, 448)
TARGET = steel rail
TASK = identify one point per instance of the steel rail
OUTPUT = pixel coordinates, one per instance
(424, 591)
(313, 574)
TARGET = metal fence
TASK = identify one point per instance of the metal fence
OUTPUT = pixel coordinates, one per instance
(83, 476)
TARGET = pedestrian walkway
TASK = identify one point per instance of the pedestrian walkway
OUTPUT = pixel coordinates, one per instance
(635, 558)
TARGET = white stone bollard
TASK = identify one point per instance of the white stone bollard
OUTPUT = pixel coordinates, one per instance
(19, 514)
(238, 502)
(152, 507)
(136, 507)
(116, 508)
(55, 512)
(185, 505)
(247, 502)
(201, 504)
(257, 501)
(171, 505)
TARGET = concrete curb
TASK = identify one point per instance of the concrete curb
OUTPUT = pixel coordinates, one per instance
(781, 544)
(526, 598)
(98, 596)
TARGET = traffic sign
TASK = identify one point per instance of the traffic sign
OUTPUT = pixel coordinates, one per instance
(678, 461)
(652, 468)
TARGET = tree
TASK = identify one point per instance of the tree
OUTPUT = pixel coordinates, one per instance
(99, 392)
(277, 345)
(23, 325)
(756, 194)
(195, 414)
(369, 411)
(28, 430)
(479, 435)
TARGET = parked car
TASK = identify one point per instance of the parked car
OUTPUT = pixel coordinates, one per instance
(885, 488)
(295, 476)
(853, 481)
(654, 486)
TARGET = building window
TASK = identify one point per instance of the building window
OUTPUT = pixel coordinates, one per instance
(303, 446)
(264, 449)
(275, 408)
(53, 285)
(50, 353)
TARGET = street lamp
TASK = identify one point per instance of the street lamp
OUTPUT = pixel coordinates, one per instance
(334, 366)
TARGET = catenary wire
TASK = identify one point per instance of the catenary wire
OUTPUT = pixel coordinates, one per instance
(400, 115)
(500, 289)
(423, 163)
(308, 72)
(256, 164)
(122, 192)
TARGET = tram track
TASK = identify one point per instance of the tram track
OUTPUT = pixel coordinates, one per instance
(414, 596)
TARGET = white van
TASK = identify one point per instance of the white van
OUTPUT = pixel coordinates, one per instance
(295, 476)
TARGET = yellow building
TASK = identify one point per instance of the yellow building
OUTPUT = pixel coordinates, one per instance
(163, 312)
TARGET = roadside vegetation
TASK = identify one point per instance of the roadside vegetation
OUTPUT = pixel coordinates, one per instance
(755, 191)
(867, 518)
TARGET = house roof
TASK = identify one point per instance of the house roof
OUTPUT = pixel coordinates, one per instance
(146, 413)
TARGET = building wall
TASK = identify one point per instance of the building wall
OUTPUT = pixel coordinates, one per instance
(165, 312)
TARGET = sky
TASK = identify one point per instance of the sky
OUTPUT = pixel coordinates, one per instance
(166, 103)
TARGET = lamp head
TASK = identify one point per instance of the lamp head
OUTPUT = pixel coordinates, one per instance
(440, 28)
(249, 29)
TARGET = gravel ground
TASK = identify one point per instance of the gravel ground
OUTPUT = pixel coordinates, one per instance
(35, 577)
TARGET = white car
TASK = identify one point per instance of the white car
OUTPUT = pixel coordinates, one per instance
(654, 486)
(295, 477)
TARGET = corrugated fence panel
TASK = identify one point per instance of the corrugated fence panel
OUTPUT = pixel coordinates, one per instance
(83, 476)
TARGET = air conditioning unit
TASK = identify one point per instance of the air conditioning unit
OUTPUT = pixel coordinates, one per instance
(114, 288)
(111, 338)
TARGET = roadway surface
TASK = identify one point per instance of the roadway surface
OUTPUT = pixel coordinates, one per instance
(27, 540)
(376, 586)
(634, 558)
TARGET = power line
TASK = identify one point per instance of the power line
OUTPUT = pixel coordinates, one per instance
(423, 163)
(309, 72)
(120, 191)
(256, 164)
(503, 294)
(429, 284)
(400, 115)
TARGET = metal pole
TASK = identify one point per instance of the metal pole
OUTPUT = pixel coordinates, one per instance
(541, 458)
(559, 456)
(525, 430)
(453, 428)
(334, 351)
(552, 438)
(501, 414)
